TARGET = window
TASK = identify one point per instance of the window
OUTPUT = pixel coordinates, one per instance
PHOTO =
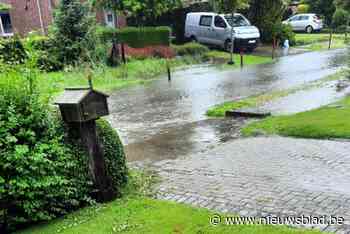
(305, 17)
(5, 21)
(110, 18)
(219, 22)
(295, 18)
(205, 20)
(237, 21)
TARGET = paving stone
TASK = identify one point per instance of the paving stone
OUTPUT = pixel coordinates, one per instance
(265, 176)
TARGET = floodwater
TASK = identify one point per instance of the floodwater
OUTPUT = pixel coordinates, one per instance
(165, 120)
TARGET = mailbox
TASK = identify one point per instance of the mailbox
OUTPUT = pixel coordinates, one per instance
(82, 105)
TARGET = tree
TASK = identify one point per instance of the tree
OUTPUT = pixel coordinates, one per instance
(342, 14)
(265, 14)
(229, 6)
(73, 32)
(322, 7)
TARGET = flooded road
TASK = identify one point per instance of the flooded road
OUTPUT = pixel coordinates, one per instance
(160, 116)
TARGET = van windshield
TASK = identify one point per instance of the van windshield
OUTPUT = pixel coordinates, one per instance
(238, 21)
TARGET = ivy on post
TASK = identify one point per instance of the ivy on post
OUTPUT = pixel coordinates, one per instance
(80, 108)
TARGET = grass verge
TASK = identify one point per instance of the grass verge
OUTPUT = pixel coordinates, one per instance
(323, 123)
(135, 213)
(319, 41)
(255, 101)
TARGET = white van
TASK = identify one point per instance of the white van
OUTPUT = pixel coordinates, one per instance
(214, 29)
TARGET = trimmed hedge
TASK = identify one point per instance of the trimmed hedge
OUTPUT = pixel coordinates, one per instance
(192, 49)
(136, 37)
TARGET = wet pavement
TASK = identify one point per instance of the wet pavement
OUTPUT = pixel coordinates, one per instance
(265, 177)
(151, 117)
(204, 162)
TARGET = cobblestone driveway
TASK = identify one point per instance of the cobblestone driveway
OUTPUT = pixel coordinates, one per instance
(264, 176)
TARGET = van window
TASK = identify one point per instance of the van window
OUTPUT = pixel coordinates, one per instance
(237, 21)
(205, 20)
(219, 22)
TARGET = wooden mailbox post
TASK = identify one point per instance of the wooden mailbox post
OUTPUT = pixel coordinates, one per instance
(80, 108)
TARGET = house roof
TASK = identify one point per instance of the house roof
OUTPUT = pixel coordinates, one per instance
(75, 95)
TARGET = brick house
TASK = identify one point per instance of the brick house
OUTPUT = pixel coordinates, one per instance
(24, 16)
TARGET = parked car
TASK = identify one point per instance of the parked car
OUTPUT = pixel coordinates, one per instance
(305, 22)
(215, 29)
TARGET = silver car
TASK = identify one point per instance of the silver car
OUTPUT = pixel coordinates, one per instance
(215, 29)
(305, 22)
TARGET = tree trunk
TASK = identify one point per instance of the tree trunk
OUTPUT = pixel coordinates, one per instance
(232, 41)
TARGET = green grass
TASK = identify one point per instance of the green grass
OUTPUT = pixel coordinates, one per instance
(304, 38)
(254, 101)
(136, 213)
(143, 215)
(223, 56)
(257, 100)
(319, 41)
(327, 122)
(107, 78)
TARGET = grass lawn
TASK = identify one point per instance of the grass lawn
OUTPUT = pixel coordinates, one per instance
(135, 213)
(319, 41)
(326, 122)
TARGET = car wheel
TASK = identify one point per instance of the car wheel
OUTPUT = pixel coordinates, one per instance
(193, 39)
(227, 45)
(309, 29)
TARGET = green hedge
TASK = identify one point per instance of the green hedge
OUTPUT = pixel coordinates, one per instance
(192, 49)
(114, 154)
(12, 50)
(44, 47)
(136, 37)
(43, 173)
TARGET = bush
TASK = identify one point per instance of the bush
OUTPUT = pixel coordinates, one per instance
(44, 50)
(43, 173)
(42, 176)
(340, 18)
(192, 49)
(136, 37)
(114, 154)
(12, 51)
(303, 8)
(283, 32)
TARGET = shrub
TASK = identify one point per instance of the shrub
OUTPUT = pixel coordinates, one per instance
(43, 173)
(283, 32)
(340, 18)
(42, 176)
(114, 154)
(12, 51)
(192, 49)
(44, 50)
(303, 8)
